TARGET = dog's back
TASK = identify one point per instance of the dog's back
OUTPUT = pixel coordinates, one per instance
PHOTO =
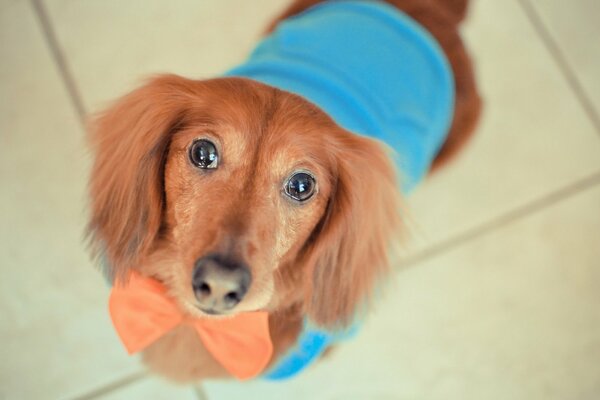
(442, 19)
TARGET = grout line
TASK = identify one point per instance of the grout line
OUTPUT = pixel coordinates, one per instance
(59, 59)
(117, 384)
(199, 392)
(561, 61)
(514, 215)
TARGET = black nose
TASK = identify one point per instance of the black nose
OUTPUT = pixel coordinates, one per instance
(219, 283)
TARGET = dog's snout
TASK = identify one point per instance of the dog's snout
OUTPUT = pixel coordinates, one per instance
(219, 284)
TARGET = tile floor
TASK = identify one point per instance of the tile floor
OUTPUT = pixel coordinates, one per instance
(499, 297)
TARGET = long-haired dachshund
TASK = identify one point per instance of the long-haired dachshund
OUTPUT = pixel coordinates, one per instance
(275, 189)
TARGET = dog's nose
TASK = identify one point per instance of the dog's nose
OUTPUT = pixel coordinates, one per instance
(219, 283)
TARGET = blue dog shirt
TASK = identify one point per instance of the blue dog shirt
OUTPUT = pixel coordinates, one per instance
(377, 73)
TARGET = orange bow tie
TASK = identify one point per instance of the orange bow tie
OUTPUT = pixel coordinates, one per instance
(142, 312)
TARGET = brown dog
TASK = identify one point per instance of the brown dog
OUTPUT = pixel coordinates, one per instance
(191, 173)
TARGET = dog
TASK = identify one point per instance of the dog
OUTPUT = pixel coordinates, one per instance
(273, 188)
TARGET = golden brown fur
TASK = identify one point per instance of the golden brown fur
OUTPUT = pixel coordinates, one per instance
(154, 212)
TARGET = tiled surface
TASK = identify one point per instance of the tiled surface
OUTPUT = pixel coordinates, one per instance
(55, 334)
(511, 313)
(574, 26)
(112, 45)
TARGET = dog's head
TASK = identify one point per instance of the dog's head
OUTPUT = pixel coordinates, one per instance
(239, 197)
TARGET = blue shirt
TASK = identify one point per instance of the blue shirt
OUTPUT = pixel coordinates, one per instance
(377, 73)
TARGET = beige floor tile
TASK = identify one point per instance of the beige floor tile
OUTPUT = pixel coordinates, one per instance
(511, 315)
(151, 389)
(55, 333)
(575, 28)
(112, 45)
(534, 137)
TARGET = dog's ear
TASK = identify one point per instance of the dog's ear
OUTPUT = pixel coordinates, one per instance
(130, 142)
(349, 251)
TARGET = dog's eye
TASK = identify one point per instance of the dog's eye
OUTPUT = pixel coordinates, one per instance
(300, 186)
(203, 153)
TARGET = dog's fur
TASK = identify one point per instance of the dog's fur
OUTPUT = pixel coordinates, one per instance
(153, 211)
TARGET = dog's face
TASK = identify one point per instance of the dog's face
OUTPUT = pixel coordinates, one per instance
(246, 183)
(241, 197)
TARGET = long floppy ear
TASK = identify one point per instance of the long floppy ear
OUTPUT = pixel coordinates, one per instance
(350, 251)
(130, 141)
